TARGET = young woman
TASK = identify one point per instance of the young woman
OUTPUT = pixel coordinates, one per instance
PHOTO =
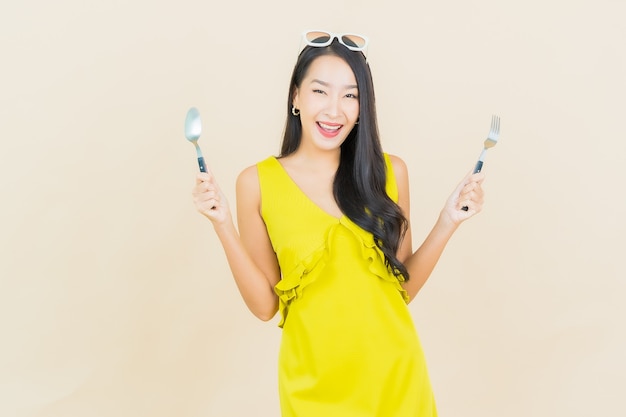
(324, 238)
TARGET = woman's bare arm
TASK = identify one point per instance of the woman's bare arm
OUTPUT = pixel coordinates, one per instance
(249, 251)
(422, 262)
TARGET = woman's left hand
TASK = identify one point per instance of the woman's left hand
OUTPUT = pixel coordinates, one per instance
(469, 193)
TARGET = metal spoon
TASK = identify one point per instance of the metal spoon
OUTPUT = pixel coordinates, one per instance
(193, 128)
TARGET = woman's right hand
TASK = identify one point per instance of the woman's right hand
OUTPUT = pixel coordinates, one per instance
(209, 199)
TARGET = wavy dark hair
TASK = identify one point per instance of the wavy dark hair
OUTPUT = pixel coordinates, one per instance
(359, 184)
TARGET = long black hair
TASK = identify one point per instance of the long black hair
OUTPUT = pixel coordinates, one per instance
(359, 184)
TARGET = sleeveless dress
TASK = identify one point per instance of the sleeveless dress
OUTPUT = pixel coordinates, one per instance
(349, 347)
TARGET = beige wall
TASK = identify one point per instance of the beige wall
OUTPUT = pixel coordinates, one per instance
(115, 297)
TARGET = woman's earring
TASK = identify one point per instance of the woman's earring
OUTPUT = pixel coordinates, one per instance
(295, 111)
(357, 122)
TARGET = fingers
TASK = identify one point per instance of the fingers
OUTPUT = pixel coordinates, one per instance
(204, 176)
(471, 194)
(206, 198)
(468, 193)
(206, 192)
(206, 181)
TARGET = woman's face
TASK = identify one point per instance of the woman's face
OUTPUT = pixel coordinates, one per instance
(328, 100)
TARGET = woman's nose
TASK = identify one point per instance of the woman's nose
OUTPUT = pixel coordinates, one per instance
(333, 108)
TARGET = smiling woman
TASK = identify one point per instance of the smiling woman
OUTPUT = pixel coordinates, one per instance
(327, 102)
(324, 239)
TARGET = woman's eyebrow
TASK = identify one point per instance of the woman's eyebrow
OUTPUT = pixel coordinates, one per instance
(325, 84)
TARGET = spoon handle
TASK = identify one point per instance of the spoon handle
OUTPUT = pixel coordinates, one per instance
(201, 164)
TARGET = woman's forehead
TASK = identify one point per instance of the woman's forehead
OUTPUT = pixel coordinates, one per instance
(331, 69)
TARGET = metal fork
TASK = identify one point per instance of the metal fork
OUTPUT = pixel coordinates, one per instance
(490, 142)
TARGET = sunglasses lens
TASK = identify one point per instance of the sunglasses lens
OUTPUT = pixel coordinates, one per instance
(317, 37)
(354, 41)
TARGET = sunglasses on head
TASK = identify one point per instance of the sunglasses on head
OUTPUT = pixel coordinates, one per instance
(321, 38)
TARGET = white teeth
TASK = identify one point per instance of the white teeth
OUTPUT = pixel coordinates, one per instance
(326, 127)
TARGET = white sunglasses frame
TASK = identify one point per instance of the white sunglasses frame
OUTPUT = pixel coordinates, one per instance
(339, 37)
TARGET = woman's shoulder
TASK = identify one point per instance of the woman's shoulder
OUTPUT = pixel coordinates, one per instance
(400, 169)
(248, 180)
(248, 173)
(249, 177)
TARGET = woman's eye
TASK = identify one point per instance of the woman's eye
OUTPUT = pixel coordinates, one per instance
(318, 91)
(350, 95)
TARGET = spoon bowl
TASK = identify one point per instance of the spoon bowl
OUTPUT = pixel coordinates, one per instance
(193, 129)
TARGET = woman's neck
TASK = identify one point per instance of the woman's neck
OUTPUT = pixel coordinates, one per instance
(317, 159)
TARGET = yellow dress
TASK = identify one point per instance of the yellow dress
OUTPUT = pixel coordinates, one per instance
(349, 347)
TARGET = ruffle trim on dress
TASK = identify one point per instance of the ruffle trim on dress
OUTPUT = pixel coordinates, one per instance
(292, 284)
(372, 252)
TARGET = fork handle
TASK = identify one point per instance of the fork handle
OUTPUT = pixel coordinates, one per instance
(477, 168)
